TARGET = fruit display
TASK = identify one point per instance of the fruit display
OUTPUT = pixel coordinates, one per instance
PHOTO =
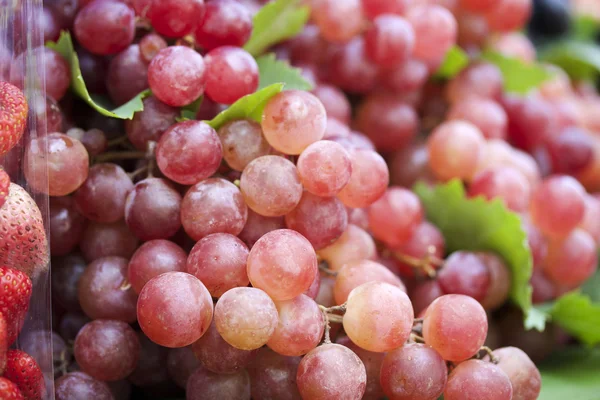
(299, 199)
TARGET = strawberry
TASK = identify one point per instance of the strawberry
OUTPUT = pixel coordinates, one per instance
(13, 116)
(9, 391)
(23, 242)
(25, 372)
(4, 184)
(15, 292)
(3, 344)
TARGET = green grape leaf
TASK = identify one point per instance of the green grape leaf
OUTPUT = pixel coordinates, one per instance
(585, 27)
(571, 374)
(250, 106)
(581, 60)
(519, 77)
(591, 287)
(64, 46)
(480, 225)
(189, 112)
(275, 22)
(276, 71)
(456, 59)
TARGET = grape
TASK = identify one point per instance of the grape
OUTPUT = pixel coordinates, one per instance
(407, 77)
(315, 286)
(242, 142)
(455, 149)
(395, 216)
(66, 225)
(127, 75)
(369, 180)
(424, 294)
(410, 165)
(282, 263)
(150, 45)
(473, 30)
(181, 363)
(334, 100)
(292, 120)
(465, 273)
(355, 244)
(485, 114)
(354, 141)
(107, 350)
(356, 273)
(219, 261)
(373, 8)
(70, 325)
(478, 380)
(570, 152)
(435, 32)
(350, 68)
(335, 128)
(591, 217)
(324, 168)
(524, 376)
(66, 273)
(482, 80)
(94, 140)
(65, 160)
(225, 23)
(372, 362)
(307, 46)
(177, 75)
(206, 385)
(300, 326)
(358, 217)
(337, 21)
(152, 209)
(271, 186)
(321, 220)
(152, 366)
(477, 6)
(455, 326)
(246, 318)
(150, 123)
(414, 371)
(425, 237)
(103, 240)
(572, 259)
(500, 281)
(79, 385)
(174, 309)
(45, 108)
(94, 71)
(175, 18)
(508, 15)
(390, 40)
(517, 45)
(213, 206)
(388, 121)
(189, 152)
(231, 73)
(506, 183)
(152, 259)
(257, 226)
(543, 288)
(331, 371)
(273, 376)
(54, 66)
(105, 27)
(557, 205)
(532, 121)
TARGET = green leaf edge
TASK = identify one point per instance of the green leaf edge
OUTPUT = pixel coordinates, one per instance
(579, 59)
(535, 72)
(64, 46)
(293, 79)
(456, 60)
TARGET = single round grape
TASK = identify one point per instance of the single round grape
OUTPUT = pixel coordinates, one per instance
(331, 371)
(532, 121)
(571, 260)
(153, 258)
(423, 294)
(334, 100)
(219, 261)
(524, 376)
(473, 30)
(482, 80)
(55, 164)
(356, 273)
(338, 21)
(175, 18)
(271, 186)
(557, 205)
(152, 209)
(94, 69)
(246, 317)
(213, 206)
(127, 75)
(500, 281)
(107, 350)
(257, 226)
(151, 44)
(412, 372)
(54, 66)
(152, 366)
(390, 40)
(455, 326)
(66, 273)
(231, 73)
(478, 380)
(189, 152)
(225, 23)
(335, 128)
(435, 31)
(292, 120)
(242, 142)
(570, 152)
(181, 363)
(378, 317)
(79, 385)
(150, 123)
(308, 46)
(355, 244)
(206, 385)
(324, 168)
(105, 27)
(174, 309)
(351, 70)
(506, 183)
(369, 179)
(373, 8)
(372, 362)
(465, 273)
(273, 376)
(218, 356)
(94, 140)
(103, 240)
(485, 114)
(425, 237)
(543, 288)
(46, 108)
(177, 75)
(66, 225)
(282, 263)
(508, 15)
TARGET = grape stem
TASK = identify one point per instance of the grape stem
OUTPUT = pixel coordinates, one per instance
(490, 353)
(117, 141)
(138, 171)
(324, 268)
(120, 155)
(416, 338)
(426, 263)
(327, 338)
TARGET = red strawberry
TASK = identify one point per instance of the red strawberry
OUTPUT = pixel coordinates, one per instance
(4, 184)
(13, 116)
(23, 243)
(9, 391)
(15, 292)
(25, 372)
(3, 344)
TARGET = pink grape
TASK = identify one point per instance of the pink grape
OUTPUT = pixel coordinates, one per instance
(478, 79)
(571, 260)
(315, 286)
(532, 121)
(66, 225)
(435, 32)
(181, 363)
(390, 40)
(478, 380)
(231, 73)
(151, 44)
(338, 21)
(356, 273)
(591, 217)
(103, 240)
(350, 68)
(423, 294)
(273, 376)
(505, 183)
(395, 216)
(372, 362)
(373, 8)
(425, 237)
(206, 385)
(369, 179)
(500, 281)
(153, 258)
(225, 23)
(334, 100)
(127, 75)
(242, 142)
(174, 309)
(485, 114)
(543, 288)
(524, 376)
(150, 123)
(465, 273)
(324, 168)
(80, 385)
(570, 152)
(283, 264)
(355, 244)
(257, 226)
(508, 15)
(335, 128)
(410, 165)
(219, 261)
(307, 46)
(175, 18)
(246, 318)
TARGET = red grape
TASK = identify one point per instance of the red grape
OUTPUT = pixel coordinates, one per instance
(485, 114)
(373, 8)
(324, 168)
(66, 225)
(524, 376)
(509, 15)
(231, 73)
(181, 363)
(150, 123)
(572, 259)
(478, 380)
(257, 226)
(506, 183)
(103, 240)
(150, 45)
(356, 273)
(435, 31)
(338, 21)
(79, 385)
(225, 23)
(206, 385)
(355, 244)
(334, 100)
(127, 75)
(390, 40)
(65, 276)
(152, 259)
(395, 216)
(175, 18)
(273, 376)
(369, 179)
(465, 273)
(242, 142)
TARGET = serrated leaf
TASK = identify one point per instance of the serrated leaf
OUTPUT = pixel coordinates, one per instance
(250, 106)
(189, 112)
(481, 225)
(456, 59)
(64, 46)
(275, 22)
(277, 71)
(519, 77)
(581, 60)
(571, 374)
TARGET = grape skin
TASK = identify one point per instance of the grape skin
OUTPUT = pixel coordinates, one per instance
(369, 179)
(356, 273)
(324, 168)
(181, 363)
(273, 376)
(372, 362)
(355, 244)
(478, 380)
(465, 273)
(153, 258)
(242, 142)
(79, 385)
(524, 376)
(206, 385)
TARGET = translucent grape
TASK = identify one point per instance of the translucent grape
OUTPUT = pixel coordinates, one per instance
(500, 281)
(66, 225)
(225, 23)
(338, 21)
(369, 180)
(324, 168)
(478, 380)
(335, 128)
(94, 140)
(473, 30)
(273, 376)
(152, 366)
(478, 80)
(435, 32)
(485, 114)
(66, 273)
(257, 226)
(465, 273)
(350, 68)
(390, 40)
(174, 309)
(79, 385)
(231, 73)
(509, 15)
(571, 260)
(355, 244)
(206, 385)
(354, 141)
(175, 18)
(150, 123)
(395, 216)
(103, 240)
(246, 318)
(506, 183)
(455, 326)
(153, 258)
(181, 363)
(150, 45)
(334, 100)
(524, 376)
(271, 186)
(127, 75)
(242, 142)
(373, 8)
